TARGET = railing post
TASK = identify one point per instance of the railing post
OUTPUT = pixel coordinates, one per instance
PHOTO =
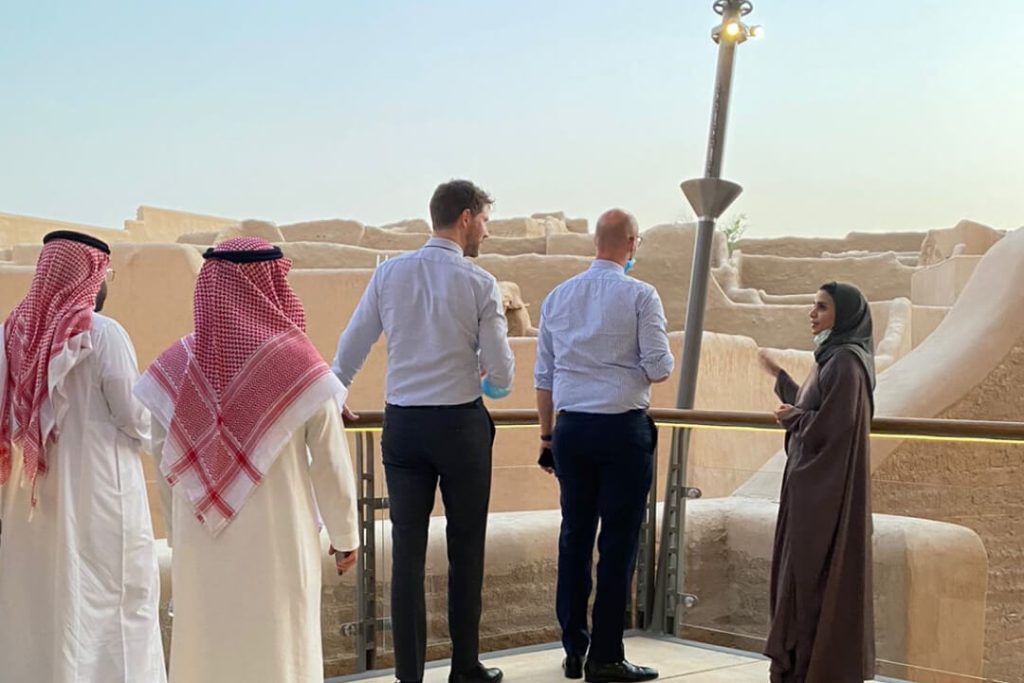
(366, 565)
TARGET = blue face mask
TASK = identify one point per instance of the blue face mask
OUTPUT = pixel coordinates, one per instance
(629, 265)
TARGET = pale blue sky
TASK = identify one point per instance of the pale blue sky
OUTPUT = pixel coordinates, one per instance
(863, 114)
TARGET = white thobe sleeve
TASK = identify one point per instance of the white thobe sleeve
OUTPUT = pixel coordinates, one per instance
(162, 487)
(119, 370)
(331, 473)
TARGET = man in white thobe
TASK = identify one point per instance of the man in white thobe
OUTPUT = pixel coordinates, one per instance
(79, 582)
(247, 427)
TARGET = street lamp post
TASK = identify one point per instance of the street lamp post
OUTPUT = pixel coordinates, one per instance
(709, 196)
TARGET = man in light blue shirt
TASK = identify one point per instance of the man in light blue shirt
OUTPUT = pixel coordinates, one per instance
(445, 327)
(602, 343)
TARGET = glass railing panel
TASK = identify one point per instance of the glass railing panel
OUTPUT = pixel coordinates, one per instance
(948, 559)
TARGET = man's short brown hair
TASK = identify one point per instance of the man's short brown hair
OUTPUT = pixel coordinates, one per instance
(452, 198)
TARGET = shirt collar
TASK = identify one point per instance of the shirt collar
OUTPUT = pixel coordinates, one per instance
(604, 264)
(444, 243)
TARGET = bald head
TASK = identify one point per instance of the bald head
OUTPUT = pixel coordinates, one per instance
(615, 235)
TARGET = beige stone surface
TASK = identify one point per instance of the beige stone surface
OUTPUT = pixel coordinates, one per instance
(577, 225)
(155, 224)
(728, 278)
(329, 297)
(140, 299)
(966, 238)
(926, 320)
(941, 284)
(378, 238)
(879, 276)
(516, 312)
(536, 275)
(966, 360)
(333, 256)
(971, 367)
(333, 230)
(976, 335)
(26, 254)
(981, 487)
(331, 293)
(537, 226)
(203, 237)
(814, 247)
(930, 612)
(514, 246)
(15, 229)
(720, 459)
(785, 326)
(665, 259)
(931, 579)
(572, 244)
(554, 225)
(15, 280)
(658, 262)
(409, 225)
(251, 228)
(155, 315)
(516, 227)
(789, 299)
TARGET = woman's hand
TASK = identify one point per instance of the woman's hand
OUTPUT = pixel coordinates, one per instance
(783, 412)
(767, 364)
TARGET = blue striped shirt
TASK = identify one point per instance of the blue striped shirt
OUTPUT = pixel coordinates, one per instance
(444, 323)
(602, 340)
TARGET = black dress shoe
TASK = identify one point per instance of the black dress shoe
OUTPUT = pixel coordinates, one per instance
(618, 672)
(572, 665)
(479, 674)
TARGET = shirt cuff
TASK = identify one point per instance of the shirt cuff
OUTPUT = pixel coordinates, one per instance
(345, 542)
(657, 370)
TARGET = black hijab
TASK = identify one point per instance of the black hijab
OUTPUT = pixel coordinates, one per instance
(852, 328)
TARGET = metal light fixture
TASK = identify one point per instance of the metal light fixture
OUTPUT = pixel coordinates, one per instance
(732, 28)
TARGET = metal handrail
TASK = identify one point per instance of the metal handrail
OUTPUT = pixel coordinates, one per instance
(911, 428)
(368, 625)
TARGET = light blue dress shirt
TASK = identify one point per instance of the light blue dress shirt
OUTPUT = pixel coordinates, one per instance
(444, 323)
(602, 340)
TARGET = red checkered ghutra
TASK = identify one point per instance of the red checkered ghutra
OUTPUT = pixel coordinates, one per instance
(49, 322)
(232, 393)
